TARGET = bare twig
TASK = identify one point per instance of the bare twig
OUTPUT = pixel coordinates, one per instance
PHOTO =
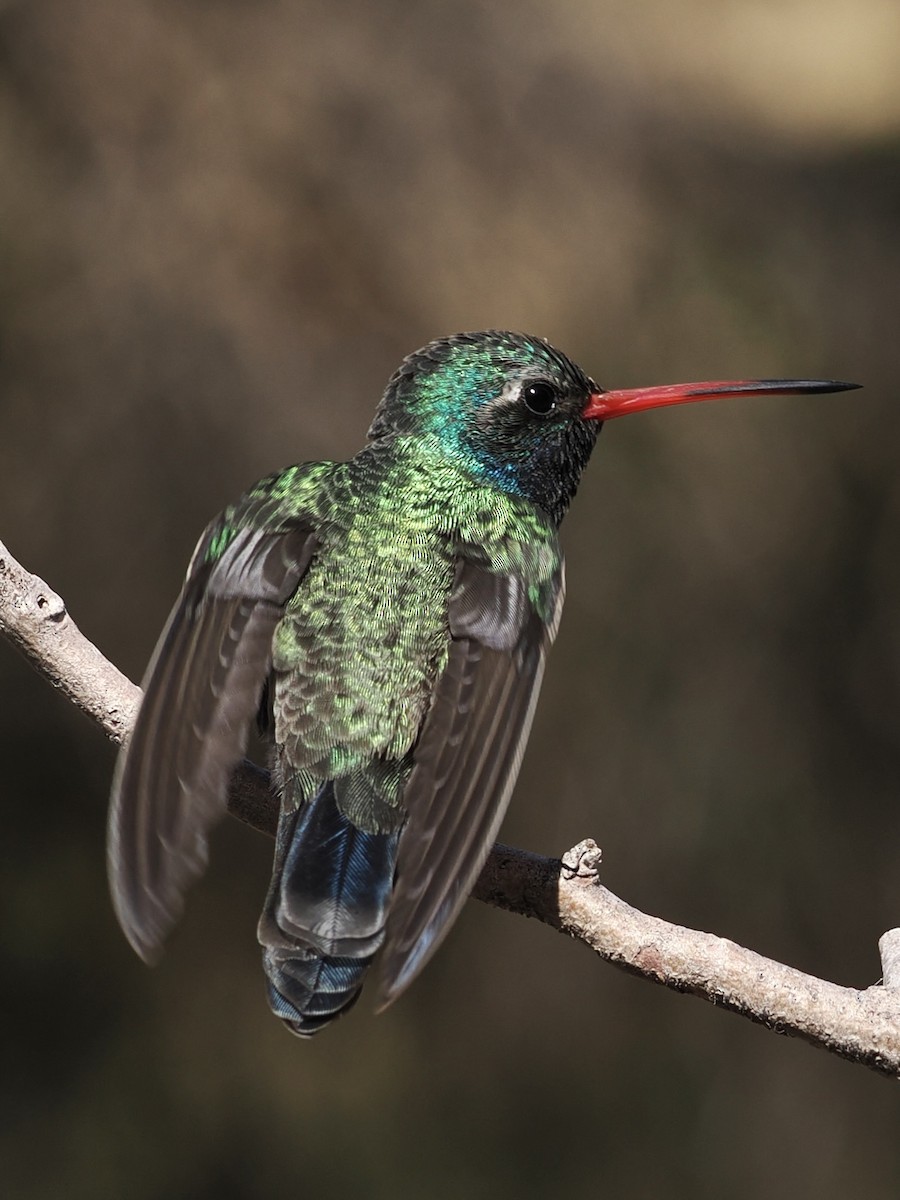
(863, 1026)
(35, 619)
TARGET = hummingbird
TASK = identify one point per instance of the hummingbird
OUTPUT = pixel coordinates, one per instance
(386, 620)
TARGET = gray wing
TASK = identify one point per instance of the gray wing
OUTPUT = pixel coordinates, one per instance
(201, 691)
(466, 760)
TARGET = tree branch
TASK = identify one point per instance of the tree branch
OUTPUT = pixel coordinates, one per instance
(35, 619)
(862, 1026)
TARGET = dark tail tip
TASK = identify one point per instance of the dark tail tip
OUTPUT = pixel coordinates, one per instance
(325, 914)
(307, 991)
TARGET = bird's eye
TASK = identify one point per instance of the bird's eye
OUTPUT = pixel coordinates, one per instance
(539, 397)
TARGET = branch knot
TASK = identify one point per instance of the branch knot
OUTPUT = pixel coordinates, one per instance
(582, 861)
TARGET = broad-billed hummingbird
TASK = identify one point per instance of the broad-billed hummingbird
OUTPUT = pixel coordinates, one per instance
(386, 619)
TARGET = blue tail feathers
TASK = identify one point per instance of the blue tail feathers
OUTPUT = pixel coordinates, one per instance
(325, 913)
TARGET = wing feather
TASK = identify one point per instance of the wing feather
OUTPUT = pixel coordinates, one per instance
(201, 692)
(466, 760)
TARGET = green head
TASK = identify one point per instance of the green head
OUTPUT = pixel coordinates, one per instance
(517, 414)
(508, 407)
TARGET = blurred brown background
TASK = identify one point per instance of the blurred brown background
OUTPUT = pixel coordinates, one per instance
(221, 227)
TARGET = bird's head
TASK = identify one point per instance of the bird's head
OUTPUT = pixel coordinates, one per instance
(506, 406)
(518, 414)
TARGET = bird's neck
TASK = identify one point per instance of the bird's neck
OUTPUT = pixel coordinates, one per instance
(546, 481)
(453, 470)
(436, 493)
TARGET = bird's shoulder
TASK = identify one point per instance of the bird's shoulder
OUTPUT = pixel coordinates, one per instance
(301, 495)
(509, 537)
